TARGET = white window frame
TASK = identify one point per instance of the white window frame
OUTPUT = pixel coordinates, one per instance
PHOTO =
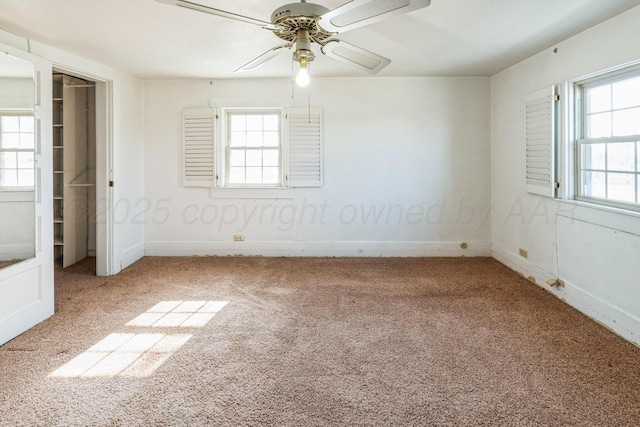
(577, 116)
(224, 149)
(18, 150)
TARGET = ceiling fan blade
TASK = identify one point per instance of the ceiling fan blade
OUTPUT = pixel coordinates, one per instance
(354, 55)
(358, 13)
(202, 8)
(267, 56)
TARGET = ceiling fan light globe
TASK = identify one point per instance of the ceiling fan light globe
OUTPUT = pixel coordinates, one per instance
(302, 79)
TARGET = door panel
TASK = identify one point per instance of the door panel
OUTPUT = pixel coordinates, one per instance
(20, 291)
(26, 288)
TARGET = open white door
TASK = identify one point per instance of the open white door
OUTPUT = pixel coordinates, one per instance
(26, 287)
(75, 173)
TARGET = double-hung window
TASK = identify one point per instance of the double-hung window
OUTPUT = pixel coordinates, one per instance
(253, 153)
(17, 145)
(607, 113)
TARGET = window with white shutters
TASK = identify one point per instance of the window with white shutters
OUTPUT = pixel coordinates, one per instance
(252, 148)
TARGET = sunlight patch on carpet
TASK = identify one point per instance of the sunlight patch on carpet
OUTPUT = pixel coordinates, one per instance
(179, 314)
(140, 354)
(123, 355)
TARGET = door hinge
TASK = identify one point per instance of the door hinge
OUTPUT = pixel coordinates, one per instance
(556, 97)
(556, 185)
(110, 183)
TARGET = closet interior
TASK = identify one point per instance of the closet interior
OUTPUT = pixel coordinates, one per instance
(74, 169)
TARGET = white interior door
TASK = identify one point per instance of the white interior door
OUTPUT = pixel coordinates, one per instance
(76, 174)
(26, 288)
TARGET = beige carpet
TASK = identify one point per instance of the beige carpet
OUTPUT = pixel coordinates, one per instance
(318, 342)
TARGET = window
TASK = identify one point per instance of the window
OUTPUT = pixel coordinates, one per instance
(253, 149)
(608, 139)
(17, 144)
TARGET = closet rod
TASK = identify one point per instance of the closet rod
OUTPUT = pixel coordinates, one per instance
(75, 86)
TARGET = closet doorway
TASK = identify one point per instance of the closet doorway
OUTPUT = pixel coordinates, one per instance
(83, 188)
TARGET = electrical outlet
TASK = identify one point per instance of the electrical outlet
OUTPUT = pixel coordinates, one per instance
(523, 253)
(238, 237)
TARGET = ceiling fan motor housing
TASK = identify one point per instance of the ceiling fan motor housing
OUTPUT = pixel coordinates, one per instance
(293, 17)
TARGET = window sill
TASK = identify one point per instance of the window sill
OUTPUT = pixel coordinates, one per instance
(605, 216)
(252, 193)
(610, 206)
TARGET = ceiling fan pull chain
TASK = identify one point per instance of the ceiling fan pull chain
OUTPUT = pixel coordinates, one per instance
(309, 105)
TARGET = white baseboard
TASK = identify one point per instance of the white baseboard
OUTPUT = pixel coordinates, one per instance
(617, 320)
(318, 249)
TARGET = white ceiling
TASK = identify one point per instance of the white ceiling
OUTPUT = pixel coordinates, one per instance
(154, 40)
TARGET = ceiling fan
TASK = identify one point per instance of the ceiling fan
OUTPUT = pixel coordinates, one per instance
(301, 24)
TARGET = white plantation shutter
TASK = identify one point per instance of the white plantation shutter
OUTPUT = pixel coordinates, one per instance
(304, 133)
(199, 133)
(540, 142)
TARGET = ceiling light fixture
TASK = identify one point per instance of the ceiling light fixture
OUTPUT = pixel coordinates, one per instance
(303, 55)
(305, 23)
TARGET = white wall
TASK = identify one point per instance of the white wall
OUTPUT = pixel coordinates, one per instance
(594, 251)
(414, 151)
